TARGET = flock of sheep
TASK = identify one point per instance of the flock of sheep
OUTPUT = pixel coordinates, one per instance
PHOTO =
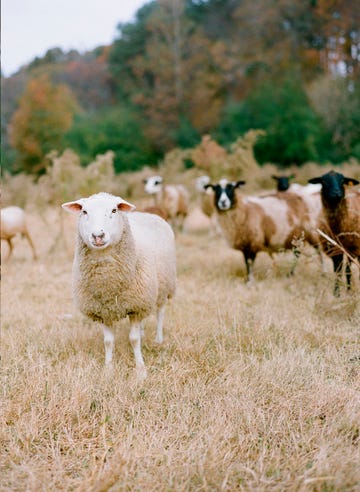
(125, 261)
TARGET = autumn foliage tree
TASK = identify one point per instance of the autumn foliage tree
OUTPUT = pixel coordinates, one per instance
(44, 114)
(188, 68)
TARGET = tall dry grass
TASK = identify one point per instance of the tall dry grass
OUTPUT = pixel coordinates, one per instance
(255, 387)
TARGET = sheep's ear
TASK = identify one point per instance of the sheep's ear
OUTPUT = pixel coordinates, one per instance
(73, 207)
(239, 183)
(275, 177)
(208, 186)
(351, 181)
(315, 180)
(125, 206)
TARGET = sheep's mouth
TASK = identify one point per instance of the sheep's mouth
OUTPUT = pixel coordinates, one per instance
(98, 243)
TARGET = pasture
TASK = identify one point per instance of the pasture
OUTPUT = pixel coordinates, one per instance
(255, 387)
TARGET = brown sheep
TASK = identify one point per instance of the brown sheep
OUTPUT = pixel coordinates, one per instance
(270, 223)
(340, 221)
(13, 222)
(172, 199)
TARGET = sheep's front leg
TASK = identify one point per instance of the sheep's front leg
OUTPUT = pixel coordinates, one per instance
(159, 329)
(348, 274)
(27, 236)
(249, 261)
(135, 340)
(109, 344)
(337, 264)
(295, 262)
(10, 248)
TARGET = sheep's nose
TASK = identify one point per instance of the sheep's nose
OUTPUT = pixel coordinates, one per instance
(98, 236)
(99, 239)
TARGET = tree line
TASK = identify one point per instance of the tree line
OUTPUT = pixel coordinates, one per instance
(186, 68)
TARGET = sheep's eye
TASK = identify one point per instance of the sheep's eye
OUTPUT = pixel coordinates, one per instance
(113, 211)
(84, 212)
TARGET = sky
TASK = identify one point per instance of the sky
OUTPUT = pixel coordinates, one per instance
(30, 27)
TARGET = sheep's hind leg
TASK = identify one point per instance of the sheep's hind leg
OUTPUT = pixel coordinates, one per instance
(27, 236)
(160, 320)
(109, 344)
(135, 340)
(10, 248)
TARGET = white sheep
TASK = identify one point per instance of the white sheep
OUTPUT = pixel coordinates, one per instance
(13, 222)
(269, 223)
(172, 199)
(124, 265)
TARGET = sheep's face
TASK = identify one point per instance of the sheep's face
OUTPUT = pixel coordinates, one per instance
(333, 189)
(283, 182)
(224, 194)
(100, 222)
(153, 184)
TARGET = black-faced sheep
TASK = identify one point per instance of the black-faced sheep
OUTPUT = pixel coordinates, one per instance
(340, 221)
(252, 224)
(13, 222)
(282, 182)
(124, 265)
(172, 199)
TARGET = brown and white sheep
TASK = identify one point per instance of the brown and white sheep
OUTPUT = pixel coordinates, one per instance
(172, 199)
(270, 223)
(340, 221)
(13, 222)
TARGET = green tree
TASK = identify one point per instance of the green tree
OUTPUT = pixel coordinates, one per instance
(44, 114)
(130, 43)
(337, 102)
(284, 112)
(117, 129)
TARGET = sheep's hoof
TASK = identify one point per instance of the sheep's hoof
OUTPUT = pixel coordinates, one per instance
(141, 374)
(108, 368)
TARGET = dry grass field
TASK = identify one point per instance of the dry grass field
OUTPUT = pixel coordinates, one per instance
(256, 388)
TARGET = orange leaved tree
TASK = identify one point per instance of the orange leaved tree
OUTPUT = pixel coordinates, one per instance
(44, 114)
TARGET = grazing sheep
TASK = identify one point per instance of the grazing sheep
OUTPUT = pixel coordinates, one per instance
(172, 199)
(268, 223)
(340, 221)
(13, 221)
(124, 265)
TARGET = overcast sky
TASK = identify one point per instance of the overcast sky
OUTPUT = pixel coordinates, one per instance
(30, 27)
